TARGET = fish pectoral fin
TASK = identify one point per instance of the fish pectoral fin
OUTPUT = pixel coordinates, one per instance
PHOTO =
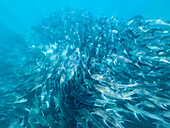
(136, 116)
(106, 123)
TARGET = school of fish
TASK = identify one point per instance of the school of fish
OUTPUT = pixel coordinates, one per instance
(84, 71)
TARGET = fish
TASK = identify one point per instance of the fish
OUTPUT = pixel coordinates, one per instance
(103, 79)
(38, 118)
(107, 91)
(81, 99)
(108, 117)
(147, 114)
(90, 117)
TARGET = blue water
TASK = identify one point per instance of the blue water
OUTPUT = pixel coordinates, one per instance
(71, 63)
(19, 15)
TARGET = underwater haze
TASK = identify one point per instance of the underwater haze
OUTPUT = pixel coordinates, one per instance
(84, 64)
(19, 15)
